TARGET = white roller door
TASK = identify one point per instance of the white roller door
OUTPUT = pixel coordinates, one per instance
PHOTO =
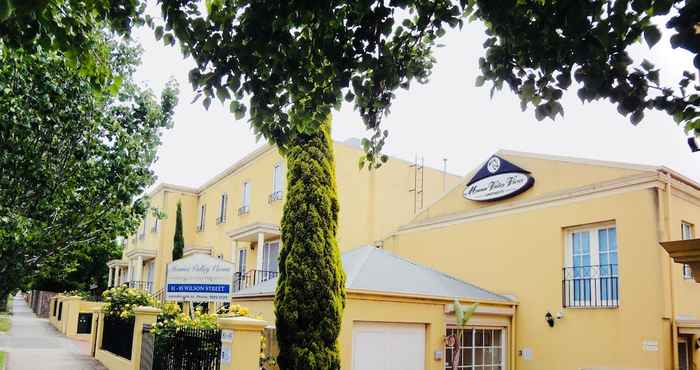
(388, 346)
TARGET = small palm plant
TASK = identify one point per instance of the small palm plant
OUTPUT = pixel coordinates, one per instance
(462, 316)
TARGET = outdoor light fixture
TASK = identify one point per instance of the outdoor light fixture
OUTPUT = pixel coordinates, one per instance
(549, 319)
(693, 144)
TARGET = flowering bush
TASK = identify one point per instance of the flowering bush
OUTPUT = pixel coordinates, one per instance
(122, 300)
(172, 318)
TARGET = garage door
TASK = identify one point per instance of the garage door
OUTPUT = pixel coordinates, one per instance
(384, 346)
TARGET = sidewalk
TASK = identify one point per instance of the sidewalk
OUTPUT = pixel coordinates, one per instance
(33, 343)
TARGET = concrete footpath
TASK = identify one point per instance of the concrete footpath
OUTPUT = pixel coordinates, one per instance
(33, 343)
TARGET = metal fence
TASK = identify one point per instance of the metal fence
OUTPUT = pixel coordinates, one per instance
(118, 336)
(187, 349)
(251, 278)
(595, 286)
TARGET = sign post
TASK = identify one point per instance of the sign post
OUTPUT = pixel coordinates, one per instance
(199, 278)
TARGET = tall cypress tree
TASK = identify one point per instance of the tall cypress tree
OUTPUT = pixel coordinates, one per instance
(178, 240)
(310, 293)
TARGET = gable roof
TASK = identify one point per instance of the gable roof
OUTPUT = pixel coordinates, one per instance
(371, 269)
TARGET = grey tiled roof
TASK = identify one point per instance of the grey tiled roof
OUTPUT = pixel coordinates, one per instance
(370, 269)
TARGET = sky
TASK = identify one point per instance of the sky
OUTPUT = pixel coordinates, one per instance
(446, 118)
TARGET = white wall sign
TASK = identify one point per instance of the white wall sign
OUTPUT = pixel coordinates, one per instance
(498, 179)
(199, 278)
(650, 346)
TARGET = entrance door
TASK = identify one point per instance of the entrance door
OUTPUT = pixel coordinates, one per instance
(388, 346)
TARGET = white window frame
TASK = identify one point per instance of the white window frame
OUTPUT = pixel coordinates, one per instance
(687, 233)
(277, 181)
(223, 207)
(503, 348)
(202, 217)
(241, 259)
(266, 263)
(156, 221)
(595, 291)
(246, 194)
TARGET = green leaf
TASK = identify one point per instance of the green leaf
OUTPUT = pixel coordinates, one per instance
(159, 32)
(206, 102)
(652, 35)
(480, 81)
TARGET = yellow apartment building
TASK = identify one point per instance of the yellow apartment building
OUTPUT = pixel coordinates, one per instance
(235, 215)
(563, 255)
(568, 252)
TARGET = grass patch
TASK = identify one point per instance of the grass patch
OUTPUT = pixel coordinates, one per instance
(4, 323)
(2, 360)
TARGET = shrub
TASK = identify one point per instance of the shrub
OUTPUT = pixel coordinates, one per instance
(122, 300)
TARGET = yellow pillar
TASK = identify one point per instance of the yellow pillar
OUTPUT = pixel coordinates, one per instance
(143, 316)
(69, 316)
(240, 342)
(96, 324)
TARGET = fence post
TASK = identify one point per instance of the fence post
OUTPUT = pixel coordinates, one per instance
(144, 315)
(95, 333)
(240, 342)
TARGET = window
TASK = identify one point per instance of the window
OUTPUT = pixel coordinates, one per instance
(271, 251)
(687, 234)
(202, 217)
(480, 348)
(245, 208)
(277, 183)
(223, 204)
(142, 232)
(156, 221)
(242, 256)
(591, 270)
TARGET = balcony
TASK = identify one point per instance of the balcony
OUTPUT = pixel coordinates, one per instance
(142, 285)
(244, 210)
(275, 196)
(595, 286)
(251, 278)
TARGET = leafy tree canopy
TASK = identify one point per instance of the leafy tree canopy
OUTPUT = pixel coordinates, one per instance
(296, 60)
(538, 47)
(70, 26)
(74, 160)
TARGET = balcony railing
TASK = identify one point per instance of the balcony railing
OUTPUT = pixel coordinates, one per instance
(595, 286)
(243, 210)
(275, 196)
(251, 278)
(143, 285)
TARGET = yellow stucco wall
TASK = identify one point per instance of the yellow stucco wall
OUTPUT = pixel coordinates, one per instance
(522, 254)
(382, 309)
(550, 176)
(686, 291)
(372, 205)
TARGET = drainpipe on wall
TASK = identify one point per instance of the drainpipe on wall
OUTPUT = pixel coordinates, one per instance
(667, 236)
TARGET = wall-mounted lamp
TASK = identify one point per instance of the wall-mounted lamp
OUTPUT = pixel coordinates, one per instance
(693, 144)
(549, 319)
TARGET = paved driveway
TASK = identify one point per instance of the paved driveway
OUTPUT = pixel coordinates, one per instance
(33, 343)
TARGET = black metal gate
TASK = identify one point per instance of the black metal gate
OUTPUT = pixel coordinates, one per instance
(188, 349)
